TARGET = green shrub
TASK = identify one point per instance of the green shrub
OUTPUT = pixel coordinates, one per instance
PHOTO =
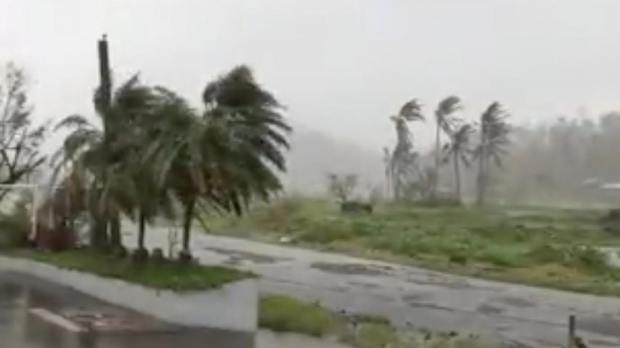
(286, 314)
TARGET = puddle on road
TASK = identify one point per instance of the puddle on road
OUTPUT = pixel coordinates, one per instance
(236, 256)
(515, 302)
(349, 268)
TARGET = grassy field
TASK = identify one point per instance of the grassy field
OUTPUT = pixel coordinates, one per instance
(285, 314)
(161, 275)
(548, 247)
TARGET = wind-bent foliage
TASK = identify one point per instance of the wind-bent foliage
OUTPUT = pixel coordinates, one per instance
(445, 121)
(494, 132)
(459, 151)
(100, 157)
(224, 157)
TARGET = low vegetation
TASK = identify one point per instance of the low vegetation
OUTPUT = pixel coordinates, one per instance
(549, 247)
(286, 314)
(160, 274)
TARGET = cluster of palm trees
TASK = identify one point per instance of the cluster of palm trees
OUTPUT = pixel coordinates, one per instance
(156, 156)
(408, 178)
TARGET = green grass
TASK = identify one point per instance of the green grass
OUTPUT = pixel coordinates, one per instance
(549, 247)
(286, 314)
(160, 275)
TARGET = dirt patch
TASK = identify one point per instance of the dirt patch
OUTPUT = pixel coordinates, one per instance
(236, 256)
(349, 268)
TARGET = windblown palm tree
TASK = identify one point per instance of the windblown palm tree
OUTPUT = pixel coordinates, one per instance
(404, 159)
(445, 122)
(225, 157)
(494, 132)
(99, 152)
(459, 151)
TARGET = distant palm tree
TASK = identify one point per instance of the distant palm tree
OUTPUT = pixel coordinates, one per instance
(445, 122)
(494, 132)
(404, 158)
(459, 151)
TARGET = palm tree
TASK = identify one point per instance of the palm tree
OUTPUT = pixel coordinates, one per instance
(444, 122)
(228, 155)
(403, 158)
(458, 150)
(99, 152)
(494, 131)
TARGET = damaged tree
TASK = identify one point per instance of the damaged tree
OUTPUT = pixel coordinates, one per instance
(20, 141)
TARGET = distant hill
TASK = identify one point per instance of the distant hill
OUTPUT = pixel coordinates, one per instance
(314, 154)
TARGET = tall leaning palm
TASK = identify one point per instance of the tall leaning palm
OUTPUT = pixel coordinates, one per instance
(445, 122)
(403, 155)
(459, 151)
(494, 132)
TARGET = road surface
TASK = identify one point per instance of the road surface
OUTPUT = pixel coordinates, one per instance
(411, 296)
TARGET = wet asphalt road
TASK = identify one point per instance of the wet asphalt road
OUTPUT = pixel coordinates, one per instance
(412, 296)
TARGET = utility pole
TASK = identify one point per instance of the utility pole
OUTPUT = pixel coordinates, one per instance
(104, 72)
(108, 216)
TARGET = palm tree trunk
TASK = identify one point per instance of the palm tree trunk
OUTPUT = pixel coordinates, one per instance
(115, 228)
(187, 223)
(437, 159)
(457, 176)
(98, 236)
(141, 229)
(481, 180)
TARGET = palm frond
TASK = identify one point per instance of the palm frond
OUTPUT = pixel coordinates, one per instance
(411, 111)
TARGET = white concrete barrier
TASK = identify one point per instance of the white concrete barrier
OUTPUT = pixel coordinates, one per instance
(234, 306)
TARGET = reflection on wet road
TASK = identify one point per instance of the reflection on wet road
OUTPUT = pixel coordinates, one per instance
(21, 328)
(22, 297)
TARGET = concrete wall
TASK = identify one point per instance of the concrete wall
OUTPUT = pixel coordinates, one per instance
(231, 307)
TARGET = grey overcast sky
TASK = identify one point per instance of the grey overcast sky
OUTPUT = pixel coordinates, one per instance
(341, 66)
